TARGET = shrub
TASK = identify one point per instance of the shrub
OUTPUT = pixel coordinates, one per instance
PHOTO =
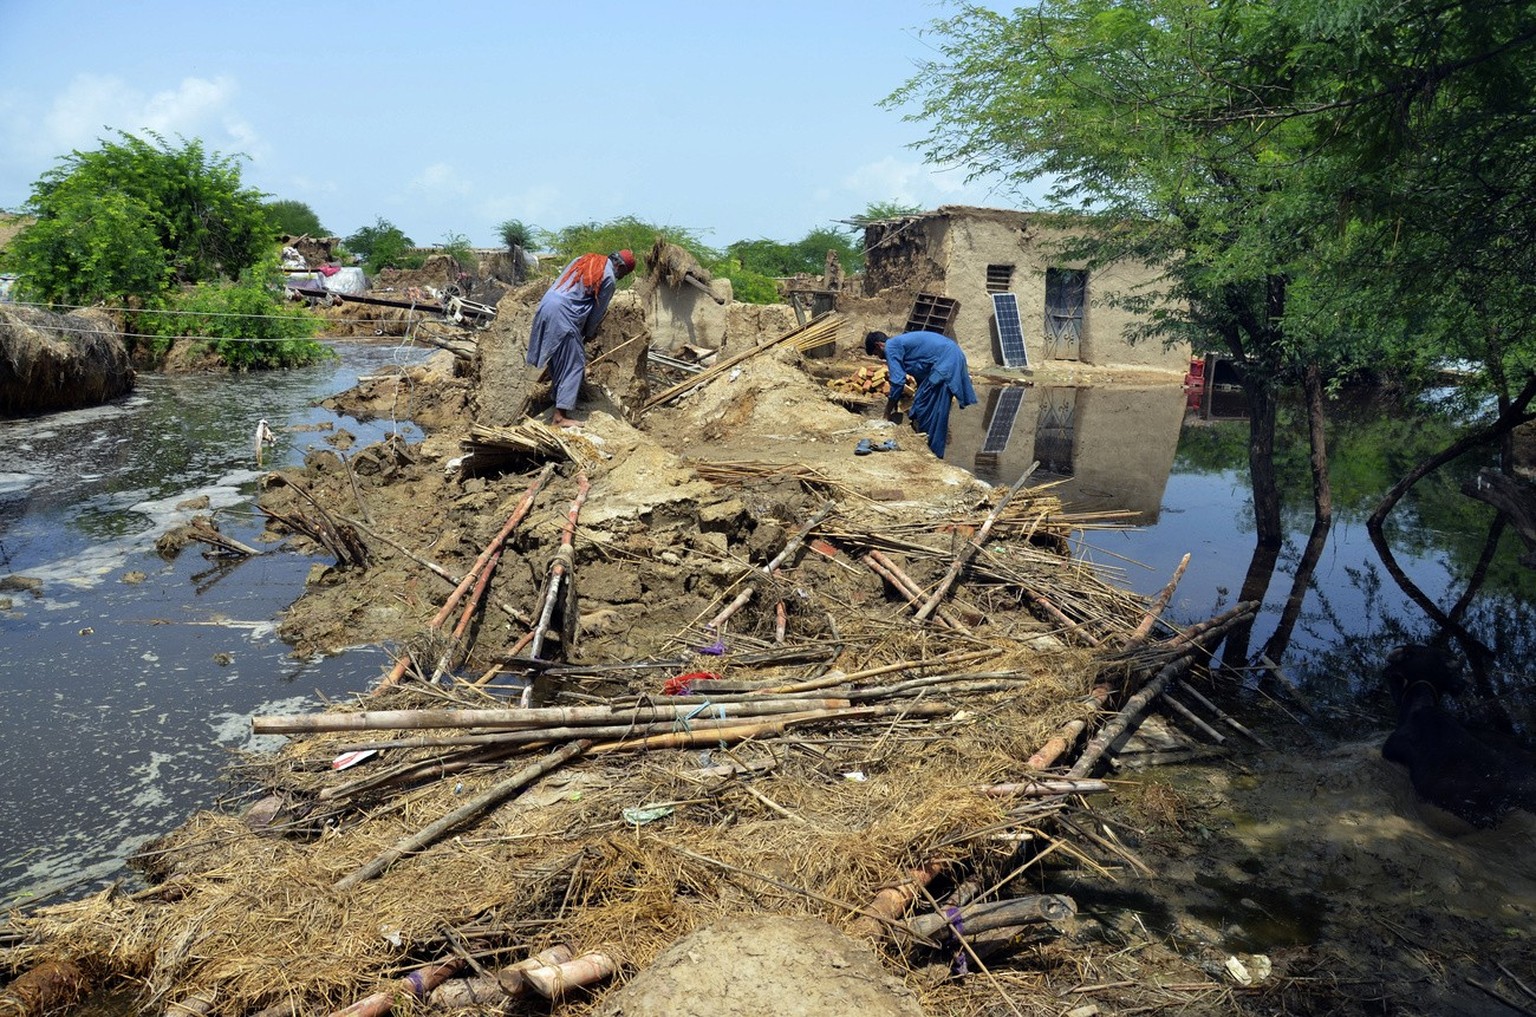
(246, 324)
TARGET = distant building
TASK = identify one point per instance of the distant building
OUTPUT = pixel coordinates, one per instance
(963, 256)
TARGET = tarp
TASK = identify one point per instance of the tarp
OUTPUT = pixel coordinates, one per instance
(339, 280)
(346, 280)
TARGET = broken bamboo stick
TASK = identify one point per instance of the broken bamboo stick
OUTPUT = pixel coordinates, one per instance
(564, 561)
(904, 585)
(972, 546)
(891, 902)
(554, 980)
(469, 810)
(1046, 907)
(1155, 609)
(523, 506)
(495, 988)
(415, 985)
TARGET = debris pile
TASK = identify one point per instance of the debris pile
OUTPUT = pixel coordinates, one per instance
(646, 685)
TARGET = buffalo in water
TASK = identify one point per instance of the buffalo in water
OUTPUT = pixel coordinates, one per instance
(1478, 776)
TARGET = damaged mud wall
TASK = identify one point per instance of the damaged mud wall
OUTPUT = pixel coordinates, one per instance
(904, 254)
(508, 389)
(51, 362)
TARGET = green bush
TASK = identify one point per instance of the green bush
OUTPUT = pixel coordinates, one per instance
(747, 286)
(384, 245)
(247, 325)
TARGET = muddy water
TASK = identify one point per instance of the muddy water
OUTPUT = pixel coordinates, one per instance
(126, 681)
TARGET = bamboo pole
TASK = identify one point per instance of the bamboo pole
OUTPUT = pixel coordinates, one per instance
(833, 678)
(1222, 715)
(554, 980)
(495, 988)
(730, 609)
(415, 985)
(469, 810)
(516, 718)
(1156, 608)
(564, 561)
(775, 726)
(972, 546)
(891, 902)
(1199, 722)
(997, 914)
(903, 584)
(798, 539)
(968, 614)
(494, 547)
(1045, 788)
(1056, 745)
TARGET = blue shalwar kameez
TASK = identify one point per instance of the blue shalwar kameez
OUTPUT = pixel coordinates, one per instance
(938, 364)
(568, 315)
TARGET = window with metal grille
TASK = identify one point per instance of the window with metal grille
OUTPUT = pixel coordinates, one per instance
(999, 278)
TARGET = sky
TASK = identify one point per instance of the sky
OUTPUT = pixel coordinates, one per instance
(735, 121)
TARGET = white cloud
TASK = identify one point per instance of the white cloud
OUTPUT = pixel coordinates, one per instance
(93, 105)
(889, 179)
(440, 179)
(36, 130)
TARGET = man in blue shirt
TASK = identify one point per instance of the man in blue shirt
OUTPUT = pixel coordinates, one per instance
(567, 317)
(940, 369)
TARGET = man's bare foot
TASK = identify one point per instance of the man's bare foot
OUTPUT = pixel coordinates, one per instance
(561, 420)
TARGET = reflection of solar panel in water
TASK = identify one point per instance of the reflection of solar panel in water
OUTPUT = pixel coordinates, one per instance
(1010, 330)
(1000, 427)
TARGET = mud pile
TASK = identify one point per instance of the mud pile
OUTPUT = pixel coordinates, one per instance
(51, 362)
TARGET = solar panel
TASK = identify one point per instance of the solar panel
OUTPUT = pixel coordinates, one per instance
(1000, 427)
(1010, 331)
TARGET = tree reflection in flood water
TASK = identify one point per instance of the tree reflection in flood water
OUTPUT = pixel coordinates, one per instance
(1331, 608)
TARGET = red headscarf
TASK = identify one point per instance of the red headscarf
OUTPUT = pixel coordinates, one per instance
(586, 270)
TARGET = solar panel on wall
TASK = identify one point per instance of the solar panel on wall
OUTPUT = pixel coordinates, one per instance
(1010, 330)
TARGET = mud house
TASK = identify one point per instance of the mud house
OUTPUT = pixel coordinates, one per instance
(953, 260)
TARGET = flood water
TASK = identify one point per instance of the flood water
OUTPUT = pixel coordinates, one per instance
(120, 702)
(1183, 477)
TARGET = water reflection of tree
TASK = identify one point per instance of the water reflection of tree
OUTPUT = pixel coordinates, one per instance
(1376, 440)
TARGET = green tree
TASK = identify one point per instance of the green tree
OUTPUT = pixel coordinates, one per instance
(878, 210)
(135, 217)
(517, 234)
(807, 255)
(456, 246)
(380, 246)
(294, 218)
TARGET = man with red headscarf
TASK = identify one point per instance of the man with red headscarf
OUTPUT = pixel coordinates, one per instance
(567, 317)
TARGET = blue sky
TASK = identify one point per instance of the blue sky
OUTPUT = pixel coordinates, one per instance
(737, 121)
